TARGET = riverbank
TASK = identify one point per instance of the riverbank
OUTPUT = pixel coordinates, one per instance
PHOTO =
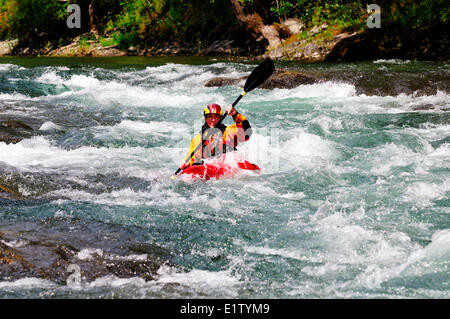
(80, 47)
(318, 44)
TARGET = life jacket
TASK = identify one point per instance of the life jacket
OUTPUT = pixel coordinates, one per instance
(218, 146)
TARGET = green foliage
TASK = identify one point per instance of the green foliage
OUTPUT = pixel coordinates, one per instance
(84, 44)
(30, 17)
(282, 9)
(107, 41)
(125, 39)
(352, 14)
(341, 14)
(141, 22)
(181, 20)
(5, 9)
(415, 14)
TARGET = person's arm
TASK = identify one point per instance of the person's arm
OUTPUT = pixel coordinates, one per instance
(197, 158)
(239, 132)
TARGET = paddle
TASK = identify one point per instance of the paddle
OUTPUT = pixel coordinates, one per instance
(5, 188)
(261, 73)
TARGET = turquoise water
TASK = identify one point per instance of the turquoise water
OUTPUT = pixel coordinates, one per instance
(352, 200)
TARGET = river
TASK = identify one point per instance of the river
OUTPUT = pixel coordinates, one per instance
(353, 199)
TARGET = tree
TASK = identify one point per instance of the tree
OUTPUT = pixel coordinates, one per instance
(93, 20)
(253, 23)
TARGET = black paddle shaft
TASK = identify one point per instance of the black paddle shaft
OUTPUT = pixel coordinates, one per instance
(261, 73)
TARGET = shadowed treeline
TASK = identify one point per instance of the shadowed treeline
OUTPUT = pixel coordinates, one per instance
(248, 27)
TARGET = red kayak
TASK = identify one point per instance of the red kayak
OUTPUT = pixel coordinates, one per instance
(219, 169)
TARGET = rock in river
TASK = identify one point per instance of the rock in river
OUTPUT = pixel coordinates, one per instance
(45, 249)
(280, 79)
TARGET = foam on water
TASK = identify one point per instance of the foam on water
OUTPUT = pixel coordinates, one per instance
(15, 243)
(202, 277)
(173, 129)
(114, 282)
(89, 87)
(428, 191)
(435, 255)
(308, 145)
(13, 97)
(392, 61)
(51, 77)
(327, 123)
(200, 282)
(419, 261)
(89, 253)
(124, 197)
(38, 151)
(290, 252)
(49, 126)
(27, 283)
(325, 90)
(9, 66)
(346, 241)
(203, 281)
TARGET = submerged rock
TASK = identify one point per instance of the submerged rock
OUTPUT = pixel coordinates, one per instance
(15, 124)
(13, 131)
(8, 139)
(46, 249)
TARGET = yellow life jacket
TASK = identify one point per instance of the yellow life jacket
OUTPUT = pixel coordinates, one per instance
(221, 139)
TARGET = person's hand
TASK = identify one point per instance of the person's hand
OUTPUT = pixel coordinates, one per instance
(230, 110)
(182, 165)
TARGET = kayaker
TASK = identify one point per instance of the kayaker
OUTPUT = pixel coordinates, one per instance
(221, 139)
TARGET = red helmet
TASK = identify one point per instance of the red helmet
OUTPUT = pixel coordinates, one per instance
(212, 109)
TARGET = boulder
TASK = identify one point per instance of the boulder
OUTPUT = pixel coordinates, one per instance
(287, 79)
(313, 49)
(7, 47)
(13, 131)
(15, 124)
(271, 34)
(8, 139)
(291, 27)
(276, 53)
(280, 79)
(221, 81)
(46, 250)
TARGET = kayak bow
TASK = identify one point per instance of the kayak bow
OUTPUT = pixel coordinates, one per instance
(219, 170)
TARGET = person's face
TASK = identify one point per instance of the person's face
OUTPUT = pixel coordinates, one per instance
(212, 119)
